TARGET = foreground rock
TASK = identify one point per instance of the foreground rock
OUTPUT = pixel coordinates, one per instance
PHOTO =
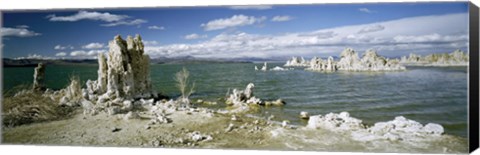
(39, 78)
(241, 100)
(456, 58)
(335, 122)
(239, 97)
(399, 129)
(304, 115)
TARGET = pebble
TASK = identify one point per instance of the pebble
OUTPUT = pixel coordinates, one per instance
(209, 138)
(271, 117)
(180, 140)
(304, 115)
(230, 127)
(115, 129)
(197, 137)
(234, 118)
(156, 143)
(284, 123)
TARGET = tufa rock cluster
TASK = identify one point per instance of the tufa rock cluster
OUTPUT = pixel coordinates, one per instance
(296, 62)
(350, 61)
(456, 58)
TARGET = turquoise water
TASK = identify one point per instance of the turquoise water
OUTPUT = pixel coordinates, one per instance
(424, 94)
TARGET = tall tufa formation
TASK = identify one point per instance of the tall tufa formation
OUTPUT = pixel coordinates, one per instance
(39, 77)
(124, 75)
(349, 60)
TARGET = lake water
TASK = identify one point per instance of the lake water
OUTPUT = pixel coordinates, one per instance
(424, 94)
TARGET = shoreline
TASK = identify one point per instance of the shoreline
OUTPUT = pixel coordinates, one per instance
(212, 131)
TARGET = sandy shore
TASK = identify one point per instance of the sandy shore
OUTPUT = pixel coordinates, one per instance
(104, 130)
(212, 132)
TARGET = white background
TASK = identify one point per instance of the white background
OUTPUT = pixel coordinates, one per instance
(58, 4)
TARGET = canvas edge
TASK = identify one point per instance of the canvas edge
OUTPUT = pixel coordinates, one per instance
(473, 78)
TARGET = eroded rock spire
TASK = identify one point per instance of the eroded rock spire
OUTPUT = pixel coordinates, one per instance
(39, 77)
(123, 75)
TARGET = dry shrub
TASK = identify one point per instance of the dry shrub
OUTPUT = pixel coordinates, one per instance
(12, 91)
(184, 85)
(21, 105)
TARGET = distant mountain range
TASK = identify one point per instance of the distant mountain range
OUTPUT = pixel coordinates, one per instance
(33, 62)
(7, 62)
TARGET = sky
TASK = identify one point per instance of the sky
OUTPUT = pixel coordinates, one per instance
(241, 32)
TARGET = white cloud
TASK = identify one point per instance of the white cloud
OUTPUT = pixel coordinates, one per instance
(281, 18)
(86, 54)
(128, 23)
(429, 38)
(146, 42)
(234, 21)
(61, 54)
(366, 10)
(93, 46)
(371, 28)
(34, 56)
(251, 7)
(195, 36)
(60, 47)
(440, 33)
(111, 19)
(17, 32)
(85, 15)
(154, 27)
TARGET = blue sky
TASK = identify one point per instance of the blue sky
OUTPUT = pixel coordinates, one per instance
(278, 31)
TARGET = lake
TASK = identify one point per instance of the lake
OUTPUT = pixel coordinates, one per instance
(423, 94)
